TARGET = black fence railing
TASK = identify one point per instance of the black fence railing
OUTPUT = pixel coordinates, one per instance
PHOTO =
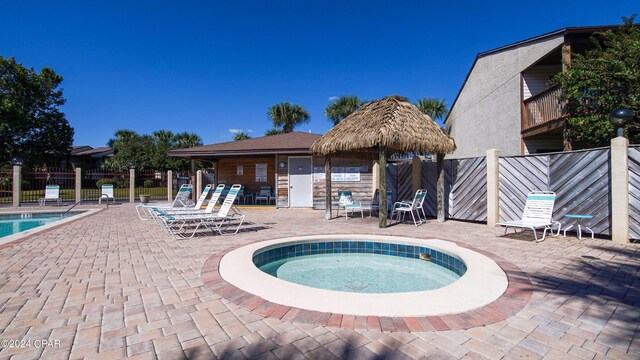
(34, 182)
(154, 183)
(92, 181)
(6, 186)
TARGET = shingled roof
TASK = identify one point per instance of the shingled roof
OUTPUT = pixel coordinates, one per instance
(289, 143)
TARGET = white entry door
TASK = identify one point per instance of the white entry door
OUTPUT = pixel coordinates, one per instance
(300, 182)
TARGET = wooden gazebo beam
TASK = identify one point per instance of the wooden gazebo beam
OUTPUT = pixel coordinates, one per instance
(327, 174)
(382, 198)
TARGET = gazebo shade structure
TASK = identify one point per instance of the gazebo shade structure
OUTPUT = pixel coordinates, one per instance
(391, 124)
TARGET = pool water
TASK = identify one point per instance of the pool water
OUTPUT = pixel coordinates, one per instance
(14, 223)
(361, 273)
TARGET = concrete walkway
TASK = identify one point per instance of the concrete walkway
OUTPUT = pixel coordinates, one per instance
(112, 286)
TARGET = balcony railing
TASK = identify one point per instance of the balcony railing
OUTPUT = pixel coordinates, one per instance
(542, 108)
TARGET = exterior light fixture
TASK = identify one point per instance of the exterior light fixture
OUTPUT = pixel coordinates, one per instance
(620, 117)
(283, 164)
(131, 165)
(17, 161)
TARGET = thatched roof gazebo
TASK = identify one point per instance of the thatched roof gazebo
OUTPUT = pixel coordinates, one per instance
(381, 127)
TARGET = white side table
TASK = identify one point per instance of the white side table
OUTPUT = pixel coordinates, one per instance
(579, 218)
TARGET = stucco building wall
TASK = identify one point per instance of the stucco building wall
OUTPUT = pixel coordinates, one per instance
(487, 112)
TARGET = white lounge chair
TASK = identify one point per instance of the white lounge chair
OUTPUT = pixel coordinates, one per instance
(176, 224)
(182, 199)
(198, 207)
(537, 214)
(106, 192)
(413, 206)
(51, 192)
(347, 202)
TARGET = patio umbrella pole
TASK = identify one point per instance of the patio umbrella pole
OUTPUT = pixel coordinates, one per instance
(382, 212)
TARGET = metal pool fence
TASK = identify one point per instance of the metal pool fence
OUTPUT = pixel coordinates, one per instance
(6, 186)
(35, 180)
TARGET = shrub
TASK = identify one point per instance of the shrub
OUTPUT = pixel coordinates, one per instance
(125, 183)
(101, 182)
(148, 183)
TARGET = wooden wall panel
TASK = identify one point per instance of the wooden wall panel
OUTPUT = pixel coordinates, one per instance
(283, 182)
(227, 172)
(362, 189)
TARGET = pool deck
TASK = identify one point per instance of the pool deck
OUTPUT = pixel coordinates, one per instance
(111, 286)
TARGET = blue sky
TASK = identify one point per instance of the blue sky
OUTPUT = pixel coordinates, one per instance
(214, 67)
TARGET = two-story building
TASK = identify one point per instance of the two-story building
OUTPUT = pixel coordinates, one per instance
(507, 100)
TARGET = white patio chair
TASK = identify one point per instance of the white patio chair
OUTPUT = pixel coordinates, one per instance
(347, 202)
(537, 214)
(413, 207)
(51, 192)
(106, 192)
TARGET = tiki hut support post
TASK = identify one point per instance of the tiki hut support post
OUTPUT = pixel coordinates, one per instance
(382, 212)
(327, 180)
(440, 186)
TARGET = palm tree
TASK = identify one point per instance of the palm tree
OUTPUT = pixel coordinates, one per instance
(241, 136)
(273, 131)
(186, 140)
(287, 116)
(435, 108)
(341, 108)
(121, 136)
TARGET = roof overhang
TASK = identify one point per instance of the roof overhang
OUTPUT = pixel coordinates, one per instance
(239, 153)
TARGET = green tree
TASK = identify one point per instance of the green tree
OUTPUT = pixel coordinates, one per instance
(241, 136)
(31, 123)
(435, 108)
(341, 108)
(273, 132)
(149, 152)
(599, 81)
(287, 116)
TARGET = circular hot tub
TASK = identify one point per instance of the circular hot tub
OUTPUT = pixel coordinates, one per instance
(366, 275)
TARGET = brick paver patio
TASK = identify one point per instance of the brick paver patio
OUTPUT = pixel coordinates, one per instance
(111, 286)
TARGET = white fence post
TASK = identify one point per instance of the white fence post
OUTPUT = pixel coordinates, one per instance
(493, 187)
(620, 190)
(132, 185)
(17, 185)
(78, 185)
(198, 183)
(169, 186)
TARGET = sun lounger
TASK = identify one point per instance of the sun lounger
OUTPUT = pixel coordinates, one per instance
(347, 202)
(178, 224)
(182, 199)
(537, 214)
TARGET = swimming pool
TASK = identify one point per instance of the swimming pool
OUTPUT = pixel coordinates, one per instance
(361, 266)
(16, 225)
(481, 282)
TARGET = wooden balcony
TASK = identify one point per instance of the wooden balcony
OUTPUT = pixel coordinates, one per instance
(542, 112)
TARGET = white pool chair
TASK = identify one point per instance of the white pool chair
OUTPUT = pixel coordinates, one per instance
(177, 224)
(537, 214)
(413, 207)
(51, 192)
(182, 199)
(106, 192)
(348, 203)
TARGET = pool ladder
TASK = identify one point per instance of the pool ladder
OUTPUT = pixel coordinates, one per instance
(69, 209)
